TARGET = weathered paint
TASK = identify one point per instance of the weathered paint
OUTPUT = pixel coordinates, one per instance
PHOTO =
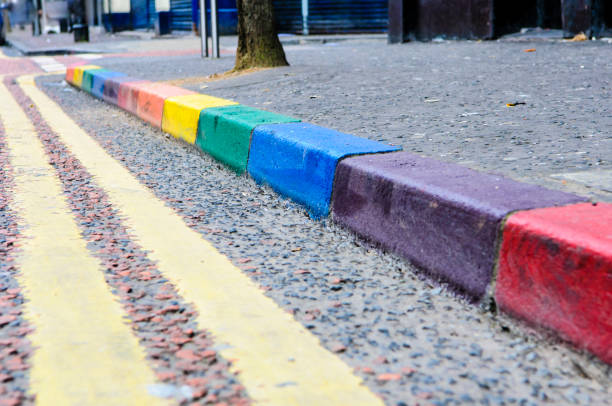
(70, 74)
(151, 98)
(77, 78)
(265, 343)
(112, 88)
(555, 270)
(299, 160)
(78, 325)
(225, 132)
(88, 78)
(443, 217)
(99, 79)
(127, 98)
(182, 113)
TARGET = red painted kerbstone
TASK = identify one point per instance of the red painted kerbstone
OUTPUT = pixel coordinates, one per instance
(127, 98)
(112, 86)
(69, 74)
(555, 270)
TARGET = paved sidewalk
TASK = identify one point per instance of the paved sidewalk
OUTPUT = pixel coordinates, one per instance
(445, 100)
(133, 41)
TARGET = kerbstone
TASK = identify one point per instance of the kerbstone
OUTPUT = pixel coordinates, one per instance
(112, 88)
(79, 71)
(555, 270)
(127, 98)
(151, 99)
(443, 217)
(225, 132)
(70, 74)
(182, 113)
(88, 78)
(299, 160)
(99, 79)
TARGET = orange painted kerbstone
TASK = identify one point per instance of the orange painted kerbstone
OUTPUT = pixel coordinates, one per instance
(150, 101)
(127, 98)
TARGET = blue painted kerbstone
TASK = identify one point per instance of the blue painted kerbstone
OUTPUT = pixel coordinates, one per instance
(443, 217)
(112, 85)
(299, 160)
(98, 80)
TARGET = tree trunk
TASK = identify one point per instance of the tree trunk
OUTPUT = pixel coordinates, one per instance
(258, 44)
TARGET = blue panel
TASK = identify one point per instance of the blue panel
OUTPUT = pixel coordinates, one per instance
(98, 79)
(140, 13)
(343, 16)
(299, 160)
(332, 16)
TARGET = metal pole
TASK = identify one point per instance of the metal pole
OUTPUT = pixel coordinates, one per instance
(304, 17)
(99, 12)
(203, 34)
(214, 22)
(43, 24)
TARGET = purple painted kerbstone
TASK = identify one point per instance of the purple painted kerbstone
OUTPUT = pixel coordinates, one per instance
(443, 217)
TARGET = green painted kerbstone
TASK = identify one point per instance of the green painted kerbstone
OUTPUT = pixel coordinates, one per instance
(225, 132)
(87, 83)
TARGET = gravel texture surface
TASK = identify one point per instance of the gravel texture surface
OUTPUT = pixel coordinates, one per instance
(182, 355)
(409, 339)
(15, 347)
(445, 100)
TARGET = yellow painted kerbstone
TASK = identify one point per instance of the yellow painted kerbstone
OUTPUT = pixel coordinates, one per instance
(77, 79)
(181, 114)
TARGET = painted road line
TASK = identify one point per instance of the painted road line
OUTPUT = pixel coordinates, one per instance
(441, 216)
(280, 362)
(85, 353)
(90, 56)
(182, 114)
(555, 270)
(225, 132)
(49, 64)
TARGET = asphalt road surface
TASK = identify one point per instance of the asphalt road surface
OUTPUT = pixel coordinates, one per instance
(375, 316)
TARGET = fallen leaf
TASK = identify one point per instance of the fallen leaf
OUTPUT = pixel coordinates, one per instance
(389, 377)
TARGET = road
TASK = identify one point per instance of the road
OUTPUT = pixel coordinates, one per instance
(136, 270)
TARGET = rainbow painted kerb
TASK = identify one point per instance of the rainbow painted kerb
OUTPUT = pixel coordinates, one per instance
(447, 219)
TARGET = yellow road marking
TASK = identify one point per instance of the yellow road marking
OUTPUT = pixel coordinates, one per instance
(280, 362)
(85, 354)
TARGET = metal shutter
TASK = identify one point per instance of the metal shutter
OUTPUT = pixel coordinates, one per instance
(344, 16)
(152, 13)
(288, 15)
(181, 15)
(140, 13)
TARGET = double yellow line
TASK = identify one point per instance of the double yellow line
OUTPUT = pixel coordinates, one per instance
(86, 354)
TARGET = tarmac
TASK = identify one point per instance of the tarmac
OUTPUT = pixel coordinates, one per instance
(327, 85)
